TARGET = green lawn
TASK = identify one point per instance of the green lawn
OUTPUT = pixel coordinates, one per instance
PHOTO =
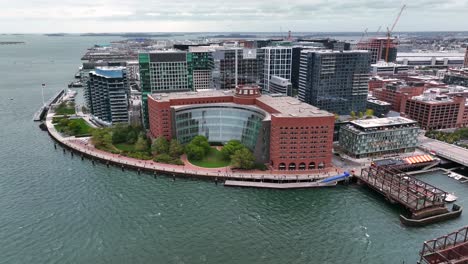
(82, 127)
(214, 159)
(125, 147)
(65, 110)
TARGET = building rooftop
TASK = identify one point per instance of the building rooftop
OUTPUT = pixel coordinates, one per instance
(384, 64)
(375, 101)
(382, 122)
(284, 105)
(434, 96)
(288, 106)
(198, 49)
(430, 54)
(109, 72)
(334, 51)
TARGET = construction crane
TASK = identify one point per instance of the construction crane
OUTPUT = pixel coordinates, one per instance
(363, 35)
(389, 32)
(378, 30)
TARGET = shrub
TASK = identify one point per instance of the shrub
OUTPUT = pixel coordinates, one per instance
(160, 146)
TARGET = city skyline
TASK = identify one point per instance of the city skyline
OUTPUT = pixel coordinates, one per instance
(49, 16)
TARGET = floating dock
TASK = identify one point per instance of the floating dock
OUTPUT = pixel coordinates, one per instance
(328, 182)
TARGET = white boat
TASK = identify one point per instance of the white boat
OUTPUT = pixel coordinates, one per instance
(451, 175)
(457, 177)
(450, 198)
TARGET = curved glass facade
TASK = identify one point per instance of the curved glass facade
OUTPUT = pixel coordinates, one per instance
(219, 123)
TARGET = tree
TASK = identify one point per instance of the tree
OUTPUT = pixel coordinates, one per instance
(160, 146)
(337, 117)
(119, 133)
(101, 138)
(232, 146)
(361, 115)
(141, 144)
(202, 142)
(353, 115)
(243, 159)
(132, 137)
(369, 112)
(194, 152)
(175, 148)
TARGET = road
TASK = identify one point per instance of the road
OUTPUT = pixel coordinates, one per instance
(448, 151)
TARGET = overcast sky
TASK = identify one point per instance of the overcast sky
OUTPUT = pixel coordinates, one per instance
(44, 16)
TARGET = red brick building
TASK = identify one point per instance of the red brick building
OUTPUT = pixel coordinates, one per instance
(282, 132)
(436, 111)
(395, 92)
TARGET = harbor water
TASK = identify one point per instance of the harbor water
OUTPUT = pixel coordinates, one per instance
(56, 208)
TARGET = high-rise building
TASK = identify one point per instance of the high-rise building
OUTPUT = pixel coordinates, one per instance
(336, 81)
(277, 62)
(249, 67)
(200, 60)
(378, 49)
(280, 85)
(164, 71)
(107, 94)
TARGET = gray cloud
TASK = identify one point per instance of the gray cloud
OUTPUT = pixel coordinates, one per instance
(199, 15)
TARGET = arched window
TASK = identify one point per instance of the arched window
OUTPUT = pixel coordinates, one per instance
(302, 166)
(321, 165)
(282, 166)
(292, 166)
(311, 165)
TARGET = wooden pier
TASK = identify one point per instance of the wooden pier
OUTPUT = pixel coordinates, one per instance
(425, 203)
(451, 248)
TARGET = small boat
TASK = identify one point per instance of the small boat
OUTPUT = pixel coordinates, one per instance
(11, 98)
(457, 177)
(451, 175)
(450, 198)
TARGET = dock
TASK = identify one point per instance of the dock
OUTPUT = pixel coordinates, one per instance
(290, 183)
(272, 185)
(425, 203)
(451, 248)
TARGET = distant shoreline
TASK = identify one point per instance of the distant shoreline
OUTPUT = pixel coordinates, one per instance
(12, 42)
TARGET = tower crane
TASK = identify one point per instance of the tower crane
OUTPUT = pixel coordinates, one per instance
(389, 31)
(363, 35)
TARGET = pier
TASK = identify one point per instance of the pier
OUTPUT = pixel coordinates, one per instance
(451, 248)
(40, 114)
(424, 202)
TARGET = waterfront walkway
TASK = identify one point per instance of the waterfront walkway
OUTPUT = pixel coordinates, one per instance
(84, 146)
